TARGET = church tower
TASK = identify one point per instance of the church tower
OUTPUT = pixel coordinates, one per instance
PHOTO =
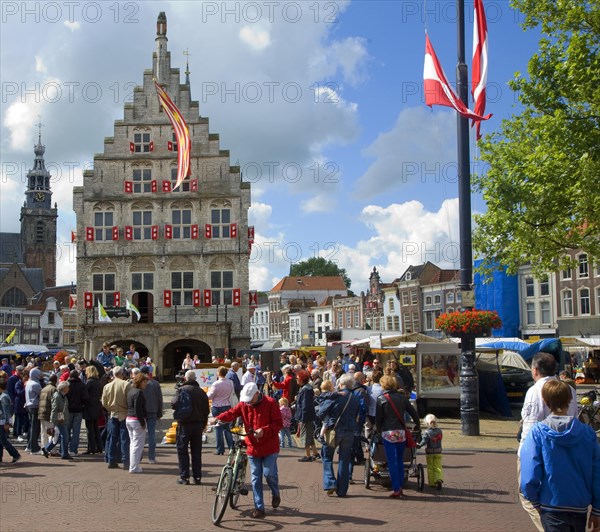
(38, 219)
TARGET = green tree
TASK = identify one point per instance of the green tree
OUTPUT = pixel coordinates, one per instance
(542, 187)
(320, 266)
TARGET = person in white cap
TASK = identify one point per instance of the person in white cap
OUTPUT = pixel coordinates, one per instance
(250, 375)
(262, 422)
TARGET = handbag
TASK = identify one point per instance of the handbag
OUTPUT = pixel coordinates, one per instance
(329, 435)
(410, 441)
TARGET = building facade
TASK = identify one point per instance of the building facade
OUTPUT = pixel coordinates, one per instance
(537, 305)
(298, 292)
(578, 297)
(180, 255)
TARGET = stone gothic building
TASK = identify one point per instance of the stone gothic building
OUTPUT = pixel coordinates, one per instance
(180, 256)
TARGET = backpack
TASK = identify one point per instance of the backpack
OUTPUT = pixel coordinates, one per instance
(183, 407)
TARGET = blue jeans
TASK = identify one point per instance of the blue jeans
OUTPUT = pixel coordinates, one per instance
(117, 443)
(344, 442)
(285, 434)
(21, 424)
(5, 444)
(75, 419)
(394, 453)
(222, 430)
(63, 437)
(267, 466)
(151, 427)
(563, 521)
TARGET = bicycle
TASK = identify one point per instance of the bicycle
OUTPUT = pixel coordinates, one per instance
(231, 482)
(589, 410)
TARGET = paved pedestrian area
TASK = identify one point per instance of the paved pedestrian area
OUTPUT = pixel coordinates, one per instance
(51, 494)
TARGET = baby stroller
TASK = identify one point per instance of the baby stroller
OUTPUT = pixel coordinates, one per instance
(411, 468)
(376, 463)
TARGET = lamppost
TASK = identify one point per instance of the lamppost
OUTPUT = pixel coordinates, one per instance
(469, 385)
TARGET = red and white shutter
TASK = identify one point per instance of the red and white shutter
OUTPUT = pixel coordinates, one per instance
(155, 232)
(207, 231)
(167, 298)
(131, 147)
(237, 297)
(117, 296)
(89, 234)
(128, 187)
(207, 298)
(233, 230)
(166, 186)
(195, 231)
(168, 231)
(251, 234)
(154, 185)
(194, 185)
(253, 298)
(128, 232)
(169, 145)
(197, 298)
(115, 232)
(88, 300)
(151, 146)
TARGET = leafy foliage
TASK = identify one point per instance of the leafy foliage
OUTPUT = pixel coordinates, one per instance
(542, 187)
(320, 266)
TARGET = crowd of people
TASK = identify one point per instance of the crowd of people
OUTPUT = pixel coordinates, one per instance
(318, 405)
(115, 394)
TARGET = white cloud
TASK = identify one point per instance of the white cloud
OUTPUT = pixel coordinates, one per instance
(420, 148)
(258, 39)
(319, 203)
(19, 119)
(39, 65)
(259, 214)
(72, 25)
(404, 234)
(348, 57)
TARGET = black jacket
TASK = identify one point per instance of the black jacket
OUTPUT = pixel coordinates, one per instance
(305, 404)
(385, 416)
(136, 405)
(199, 403)
(93, 407)
(77, 396)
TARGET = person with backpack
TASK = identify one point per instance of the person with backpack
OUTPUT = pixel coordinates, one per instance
(190, 410)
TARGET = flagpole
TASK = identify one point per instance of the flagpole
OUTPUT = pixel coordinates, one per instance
(469, 385)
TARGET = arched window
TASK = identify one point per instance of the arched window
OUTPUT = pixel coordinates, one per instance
(14, 297)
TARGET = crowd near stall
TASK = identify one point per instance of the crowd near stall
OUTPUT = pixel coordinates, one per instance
(353, 408)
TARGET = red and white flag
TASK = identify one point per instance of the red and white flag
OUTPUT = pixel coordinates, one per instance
(480, 62)
(437, 89)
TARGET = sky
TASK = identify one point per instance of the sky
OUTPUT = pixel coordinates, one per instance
(320, 103)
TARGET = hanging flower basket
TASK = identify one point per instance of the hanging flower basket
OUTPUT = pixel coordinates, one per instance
(470, 322)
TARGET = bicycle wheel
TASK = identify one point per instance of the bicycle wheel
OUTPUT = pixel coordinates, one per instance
(238, 482)
(420, 477)
(222, 494)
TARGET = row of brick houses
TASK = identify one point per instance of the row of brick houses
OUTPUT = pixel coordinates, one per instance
(565, 303)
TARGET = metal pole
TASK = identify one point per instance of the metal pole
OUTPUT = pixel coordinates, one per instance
(469, 385)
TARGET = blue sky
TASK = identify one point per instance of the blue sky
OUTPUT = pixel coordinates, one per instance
(321, 104)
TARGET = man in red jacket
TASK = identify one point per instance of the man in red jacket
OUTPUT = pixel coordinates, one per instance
(262, 421)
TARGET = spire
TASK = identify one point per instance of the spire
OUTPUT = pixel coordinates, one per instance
(161, 56)
(187, 67)
(38, 178)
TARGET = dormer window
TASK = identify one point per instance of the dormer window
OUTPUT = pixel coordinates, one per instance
(408, 276)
